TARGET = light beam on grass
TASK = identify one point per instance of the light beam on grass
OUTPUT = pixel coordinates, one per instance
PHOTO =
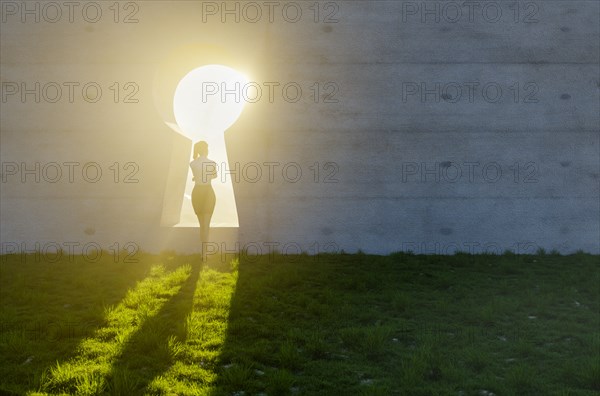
(96, 354)
(206, 329)
(92, 370)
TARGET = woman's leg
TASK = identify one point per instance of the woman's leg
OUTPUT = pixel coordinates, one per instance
(204, 220)
(209, 207)
(203, 200)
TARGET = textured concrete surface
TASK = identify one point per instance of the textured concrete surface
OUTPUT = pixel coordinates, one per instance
(431, 126)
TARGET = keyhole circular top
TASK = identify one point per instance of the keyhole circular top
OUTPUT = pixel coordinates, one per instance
(208, 100)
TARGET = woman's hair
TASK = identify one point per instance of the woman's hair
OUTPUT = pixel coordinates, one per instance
(200, 148)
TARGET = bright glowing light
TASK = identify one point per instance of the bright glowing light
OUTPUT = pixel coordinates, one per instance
(208, 100)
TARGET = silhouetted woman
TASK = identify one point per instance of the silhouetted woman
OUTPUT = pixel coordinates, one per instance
(203, 195)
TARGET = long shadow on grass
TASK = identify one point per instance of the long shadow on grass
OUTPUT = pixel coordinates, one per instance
(280, 319)
(321, 324)
(147, 354)
(53, 331)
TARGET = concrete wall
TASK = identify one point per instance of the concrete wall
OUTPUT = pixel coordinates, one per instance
(407, 145)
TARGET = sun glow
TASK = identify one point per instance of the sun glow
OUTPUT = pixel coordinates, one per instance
(208, 100)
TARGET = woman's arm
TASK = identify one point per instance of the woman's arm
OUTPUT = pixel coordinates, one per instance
(209, 171)
(213, 174)
(192, 168)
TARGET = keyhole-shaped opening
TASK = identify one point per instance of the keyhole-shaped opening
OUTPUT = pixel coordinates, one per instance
(207, 101)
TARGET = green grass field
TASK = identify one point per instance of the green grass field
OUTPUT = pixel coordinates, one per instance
(301, 325)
